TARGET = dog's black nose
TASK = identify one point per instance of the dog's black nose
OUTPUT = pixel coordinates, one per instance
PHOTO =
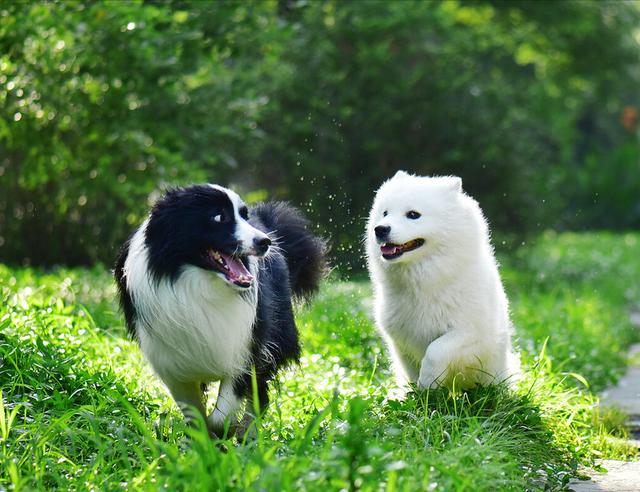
(262, 244)
(382, 231)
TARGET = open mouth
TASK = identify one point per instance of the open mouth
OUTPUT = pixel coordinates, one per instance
(232, 267)
(391, 251)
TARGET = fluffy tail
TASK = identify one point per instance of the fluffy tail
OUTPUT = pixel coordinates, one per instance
(305, 253)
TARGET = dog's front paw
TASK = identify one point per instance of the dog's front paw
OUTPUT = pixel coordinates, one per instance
(428, 379)
(220, 427)
(427, 383)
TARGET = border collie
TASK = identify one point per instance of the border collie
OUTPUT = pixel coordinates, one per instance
(438, 295)
(206, 287)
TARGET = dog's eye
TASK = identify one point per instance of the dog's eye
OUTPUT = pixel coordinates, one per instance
(385, 213)
(221, 218)
(413, 215)
(244, 213)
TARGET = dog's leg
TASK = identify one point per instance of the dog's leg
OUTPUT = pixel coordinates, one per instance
(188, 396)
(406, 369)
(227, 407)
(262, 394)
(454, 354)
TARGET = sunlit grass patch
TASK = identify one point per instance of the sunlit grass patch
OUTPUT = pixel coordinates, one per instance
(82, 410)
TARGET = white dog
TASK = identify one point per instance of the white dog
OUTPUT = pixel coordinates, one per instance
(438, 295)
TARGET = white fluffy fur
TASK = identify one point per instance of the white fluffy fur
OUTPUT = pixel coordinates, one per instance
(441, 307)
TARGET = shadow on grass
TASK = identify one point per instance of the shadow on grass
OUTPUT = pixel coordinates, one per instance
(485, 437)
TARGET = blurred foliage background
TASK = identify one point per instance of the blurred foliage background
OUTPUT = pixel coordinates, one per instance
(105, 104)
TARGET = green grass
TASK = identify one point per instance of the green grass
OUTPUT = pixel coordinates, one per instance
(81, 409)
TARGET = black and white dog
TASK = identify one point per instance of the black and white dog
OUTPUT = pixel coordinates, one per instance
(206, 286)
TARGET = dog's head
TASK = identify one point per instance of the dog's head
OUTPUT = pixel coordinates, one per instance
(206, 226)
(414, 217)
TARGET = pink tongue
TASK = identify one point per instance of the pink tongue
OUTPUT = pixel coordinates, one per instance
(389, 250)
(236, 269)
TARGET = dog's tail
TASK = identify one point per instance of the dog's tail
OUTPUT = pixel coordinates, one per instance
(304, 252)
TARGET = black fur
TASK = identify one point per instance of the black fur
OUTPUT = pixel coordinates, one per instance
(297, 271)
(180, 229)
(304, 252)
(126, 303)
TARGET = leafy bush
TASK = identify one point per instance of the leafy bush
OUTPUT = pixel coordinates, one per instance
(495, 92)
(104, 104)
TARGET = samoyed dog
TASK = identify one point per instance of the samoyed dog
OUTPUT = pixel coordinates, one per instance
(439, 300)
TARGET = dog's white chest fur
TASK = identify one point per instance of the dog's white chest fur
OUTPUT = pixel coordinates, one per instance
(408, 317)
(196, 328)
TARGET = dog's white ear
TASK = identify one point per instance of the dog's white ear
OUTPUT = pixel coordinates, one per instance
(455, 184)
(401, 174)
